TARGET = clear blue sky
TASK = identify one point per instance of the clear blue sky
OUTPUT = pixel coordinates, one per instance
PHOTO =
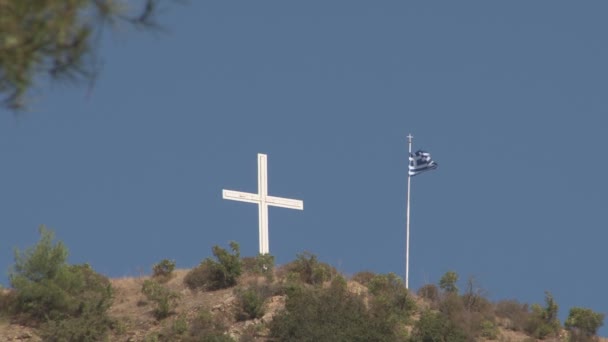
(509, 97)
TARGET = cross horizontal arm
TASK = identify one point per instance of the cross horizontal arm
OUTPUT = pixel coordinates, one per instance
(285, 202)
(241, 196)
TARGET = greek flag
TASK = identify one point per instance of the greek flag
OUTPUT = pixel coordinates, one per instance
(420, 162)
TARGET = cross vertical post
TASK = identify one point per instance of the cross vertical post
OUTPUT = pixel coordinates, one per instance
(262, 207)
(263, 200)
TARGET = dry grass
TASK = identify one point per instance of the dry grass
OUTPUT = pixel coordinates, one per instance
(136, 320)
(136, 314)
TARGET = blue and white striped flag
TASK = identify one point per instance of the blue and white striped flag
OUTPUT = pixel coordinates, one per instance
(420, 162)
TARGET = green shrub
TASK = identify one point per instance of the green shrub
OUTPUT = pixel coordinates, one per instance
(163, 270)
(88, 327)
(582, 324)
(390, 297)
(250, 299)
(448, 282)
(198, 277)
(262, 264)
(434, 326)
(309, 270)
(176, 330)
(179, 326)
(207, 328)
(328, 314)
(543, 321)
(488, 330)
(71, 300)
(165, 299)
(215, 275)
(250, 304)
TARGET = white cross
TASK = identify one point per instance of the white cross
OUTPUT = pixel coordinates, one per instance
(263, 201)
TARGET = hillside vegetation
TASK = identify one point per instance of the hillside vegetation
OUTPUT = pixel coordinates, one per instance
(231, 298)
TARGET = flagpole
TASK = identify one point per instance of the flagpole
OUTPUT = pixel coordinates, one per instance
(407, 224)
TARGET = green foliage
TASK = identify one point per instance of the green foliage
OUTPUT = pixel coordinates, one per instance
(391, 299)
(309, 270)
(215, 275)
(206, 328)
(40, 262)
(488, 330)
(250, 303)
(582, 324)
(328, 314)
(179, 326)
(88, 327)
(176, 330)
(250, 299)
(56, 39)
(163, 270)
(543, 322)
(435, 327)
(471, 314)
(165, 299)
(71, 300)
(448, 282)
(262, 264)
(198, 277)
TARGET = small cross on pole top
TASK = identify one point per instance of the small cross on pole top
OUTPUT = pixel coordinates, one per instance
(263, 200)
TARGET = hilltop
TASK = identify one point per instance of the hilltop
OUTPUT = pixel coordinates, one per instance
(229, 298)
(137, 322)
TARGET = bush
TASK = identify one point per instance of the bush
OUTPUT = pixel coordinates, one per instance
(488, 330)
(263, 264)
(250, 299)
(163, 270)
(72, 300)
(582, 324)
(543, 322)
(328, 314)
(448, 282)
(88, 327)
(390, 297)
(198, 277)
(309, 270)
(207, 328)
(433, 326)
(176, 330)
(215, 275)
(179, 326)
(250, 304)
(165, 299)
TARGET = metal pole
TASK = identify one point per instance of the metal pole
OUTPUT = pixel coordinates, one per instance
(407, 224)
